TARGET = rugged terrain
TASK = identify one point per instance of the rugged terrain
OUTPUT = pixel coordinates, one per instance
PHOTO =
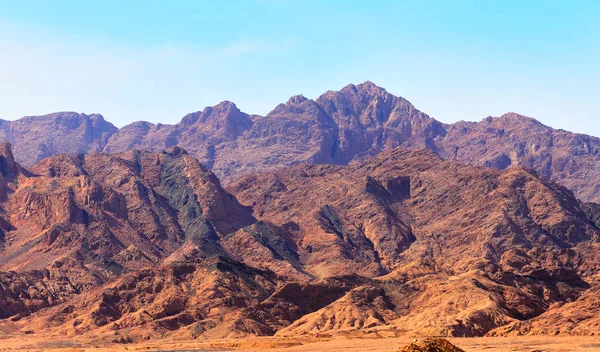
(338, 127)
(141, 245)
(471, 249)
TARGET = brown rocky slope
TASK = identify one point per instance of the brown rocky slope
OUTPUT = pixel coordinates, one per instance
(473, 248)
(149, 244)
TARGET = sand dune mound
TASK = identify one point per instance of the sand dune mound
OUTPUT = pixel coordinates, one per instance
(431, 345)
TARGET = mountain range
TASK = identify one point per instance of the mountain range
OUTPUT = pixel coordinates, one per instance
(354, 212)
(139, 245)
(339, 127)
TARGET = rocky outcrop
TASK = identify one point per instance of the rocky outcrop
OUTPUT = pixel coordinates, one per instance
(24, 293)
(76, 222)
(347, 210)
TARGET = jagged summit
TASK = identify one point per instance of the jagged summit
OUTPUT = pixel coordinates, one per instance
(366, 86)
(296, 99)
(223, 108)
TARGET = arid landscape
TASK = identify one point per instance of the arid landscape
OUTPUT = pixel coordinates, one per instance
(353, 222)
(299, 176)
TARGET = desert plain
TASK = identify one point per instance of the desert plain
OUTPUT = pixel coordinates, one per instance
(354, 342)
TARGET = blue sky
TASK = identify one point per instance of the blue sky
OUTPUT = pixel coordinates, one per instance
(158, 60)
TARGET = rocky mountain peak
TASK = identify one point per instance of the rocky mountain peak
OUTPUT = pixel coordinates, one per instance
(362, 99)
(296, 100)
(365, 88)
(93, 123)
(297, 106)
(224, 117)
(222, 109)
(37, 137)
(147, 241)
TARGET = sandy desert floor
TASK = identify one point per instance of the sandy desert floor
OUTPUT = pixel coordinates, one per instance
(488, 344)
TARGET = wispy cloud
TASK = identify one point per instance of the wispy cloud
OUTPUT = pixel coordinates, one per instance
(41, 73)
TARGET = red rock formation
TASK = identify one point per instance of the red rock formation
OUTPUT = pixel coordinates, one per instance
(105, 215)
